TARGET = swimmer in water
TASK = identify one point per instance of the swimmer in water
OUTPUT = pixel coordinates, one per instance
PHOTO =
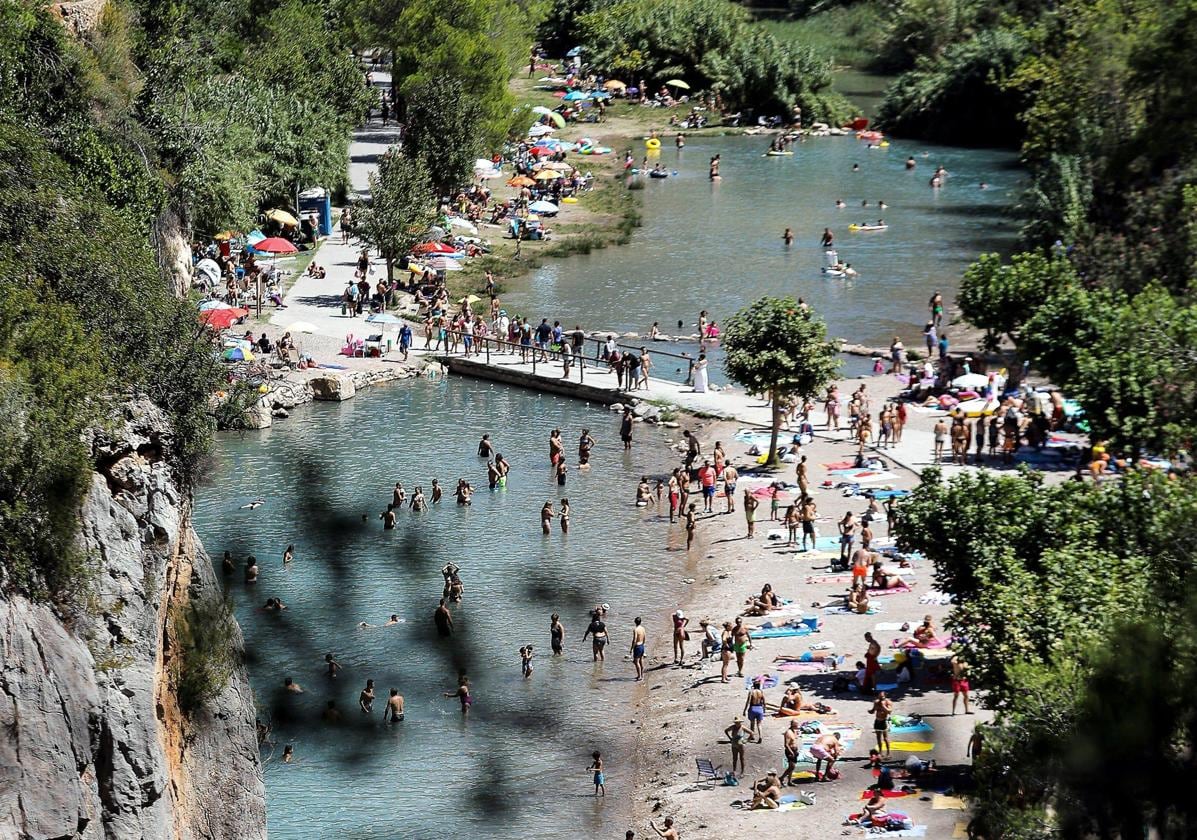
(882, 205)
(788, 237)
(463, 694)
(291, 686)
(526, 661)
(288, 754)
(856, 167)
(546, 516)
(227, 564)
(393, 713)
(333, 665)
(289, 554)
(984, 185)
(564, 516)
(910, 164)
(365, 700)
(390, 622)
(437, 492)
(839, 203)
(254, 505)
(417, 499)
(251, 569)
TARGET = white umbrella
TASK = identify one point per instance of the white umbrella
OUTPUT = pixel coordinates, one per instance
(464, 224)
(213, 304)
(971, 380)
(302, 327)
(384, 318)
(445, 264)
(209, 269)
(543, 207)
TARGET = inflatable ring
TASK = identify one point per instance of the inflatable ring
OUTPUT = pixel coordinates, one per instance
(569, 200)
(652, 143)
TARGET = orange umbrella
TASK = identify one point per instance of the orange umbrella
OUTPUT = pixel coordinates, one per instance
(521, 181)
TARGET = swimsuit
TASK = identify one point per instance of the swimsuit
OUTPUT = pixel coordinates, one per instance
(638, 651)
(756, 713)
(740, 647)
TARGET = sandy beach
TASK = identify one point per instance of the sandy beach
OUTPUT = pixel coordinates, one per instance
(684, 710)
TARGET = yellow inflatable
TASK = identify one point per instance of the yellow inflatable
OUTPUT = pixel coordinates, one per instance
(652, 144)
(569, 200)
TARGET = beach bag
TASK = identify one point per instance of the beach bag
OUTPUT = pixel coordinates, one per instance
(730, 780)
(806, 797)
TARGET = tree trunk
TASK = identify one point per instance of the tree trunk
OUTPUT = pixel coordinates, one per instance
(390, 267)
(775, 406)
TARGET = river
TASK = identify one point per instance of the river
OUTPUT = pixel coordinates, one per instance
(516, 767)
(718, 245)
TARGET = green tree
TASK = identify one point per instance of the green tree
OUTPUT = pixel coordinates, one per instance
(778, 348)
(400, 207)
(444, 130)
(1002, 297)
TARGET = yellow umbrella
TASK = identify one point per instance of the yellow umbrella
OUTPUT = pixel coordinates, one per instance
(282, 217)
(678, 83)
(470, 299)
(615, 84)
(547, 175)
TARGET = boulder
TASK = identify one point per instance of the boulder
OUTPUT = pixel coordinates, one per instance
(259, 416)
(332, 388)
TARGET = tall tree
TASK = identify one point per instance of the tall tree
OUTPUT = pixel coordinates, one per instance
(400, 207)
(778, 348)
(444, 130)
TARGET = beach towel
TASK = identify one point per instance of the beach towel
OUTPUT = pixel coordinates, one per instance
(943, 802)
(911, 729)
(767, 680)
(935, 597)
(811, 667)
(872, 477)
(931, 645)
(805, 716)
(897, 590)
(840, 465)
(960, 831)
(912, 746)
(845, 611)
(888, 494)
(839, 577)
(790, 803)
(781, 632)
(866, 795)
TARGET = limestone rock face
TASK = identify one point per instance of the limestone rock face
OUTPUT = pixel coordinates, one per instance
(93, 743)
(332, 388)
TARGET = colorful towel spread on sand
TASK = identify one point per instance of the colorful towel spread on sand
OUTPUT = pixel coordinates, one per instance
(912, 746)
(808, 667)
(866, 795)
(845, 611)
(877, 593)
(781, 632)
(767, 680)
(943, 802)
(931, 645)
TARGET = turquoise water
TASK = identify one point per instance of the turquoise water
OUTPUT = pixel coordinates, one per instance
(516, 767)
(718, 245)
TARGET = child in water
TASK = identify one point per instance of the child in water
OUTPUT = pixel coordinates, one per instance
(596, 767)
(526, 660)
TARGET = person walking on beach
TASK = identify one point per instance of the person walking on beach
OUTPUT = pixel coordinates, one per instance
(808, 515)
(754, 707)
(792, 519)
(791, 741)
(730, 477)
(679, 636)
(707, 478)
(882, 708)
(738, 736)
(936, 307)
(691, 524)
(960, 686)
(741, 642)
(751, 503)
(637, 649)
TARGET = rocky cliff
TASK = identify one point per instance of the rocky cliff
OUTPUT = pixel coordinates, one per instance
(95, 743)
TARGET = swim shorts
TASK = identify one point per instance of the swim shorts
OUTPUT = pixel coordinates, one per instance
(638, 652)
(819, 752)
(756, 713)
(960, 686)
(709, 492)
(740, 647)
(880, 724)
(729, 488)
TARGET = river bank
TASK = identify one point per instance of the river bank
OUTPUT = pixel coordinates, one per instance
(684, 710)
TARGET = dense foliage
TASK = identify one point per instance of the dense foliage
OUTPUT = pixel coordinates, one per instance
(205, 110)
(778, 348)
(710, 44)
(1076, 615)
(400, 208)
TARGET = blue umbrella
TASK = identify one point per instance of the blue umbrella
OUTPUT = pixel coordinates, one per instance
(575, 51)
(254, 237)
(575, 95)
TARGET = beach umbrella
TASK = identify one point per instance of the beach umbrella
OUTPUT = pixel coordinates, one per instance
(543, 207)
(556, 118)
(678, 83)
(445, 264)
(275, 245)
(222, 319)
(971, 380)
(282, 217)
(575, 51)
(575, 95)
(521, 181)
(556, 166)
(384, 318)
(254, 237)
(302, 327)
(237, 354)
(547, 175)
(209, 269)
(615, 84)
(469, 299)
(224, 235)
(432, 248)
(213, 304)
(540, 109)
